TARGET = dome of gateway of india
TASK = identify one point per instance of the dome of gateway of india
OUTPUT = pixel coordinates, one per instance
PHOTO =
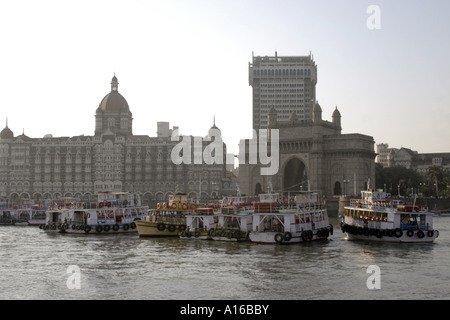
(114, 102)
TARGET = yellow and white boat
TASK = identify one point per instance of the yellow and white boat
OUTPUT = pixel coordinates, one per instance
(168, 219)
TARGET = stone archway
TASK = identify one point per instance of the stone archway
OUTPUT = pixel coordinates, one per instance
(295, 175)
(337, 189)
(258, 188)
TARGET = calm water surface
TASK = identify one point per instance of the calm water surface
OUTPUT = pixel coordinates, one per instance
(34, 265)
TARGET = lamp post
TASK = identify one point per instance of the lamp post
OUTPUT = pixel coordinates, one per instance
(345, 186)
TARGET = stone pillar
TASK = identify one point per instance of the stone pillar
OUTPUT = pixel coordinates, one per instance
(343, 201)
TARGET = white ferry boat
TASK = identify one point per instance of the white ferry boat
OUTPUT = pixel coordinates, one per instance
(375, 218)
(56, 217)
(234, 219)
(199, 224)
(115, 212)
(305, 221)
(168, 219)
(30, 216)
(233, 226)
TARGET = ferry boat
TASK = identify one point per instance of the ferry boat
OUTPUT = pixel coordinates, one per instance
(234, 219)
(7, 216)
(168, 219)
(199, 224)
(56, 218)
(115, 212)
(375, 218)
(305, 221)
(30, 216)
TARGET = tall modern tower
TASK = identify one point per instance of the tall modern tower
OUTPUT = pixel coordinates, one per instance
(286, 83)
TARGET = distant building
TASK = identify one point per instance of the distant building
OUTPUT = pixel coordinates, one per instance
(113, 159)
(410, 159)
(287, 83)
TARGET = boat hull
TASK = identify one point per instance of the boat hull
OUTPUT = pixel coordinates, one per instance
(229, 234)
(403, 239)
(91, 229)
(272, 237)
(389, 235)
(155, 229)
(195, 235)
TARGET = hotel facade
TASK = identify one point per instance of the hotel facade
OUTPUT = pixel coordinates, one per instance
(113, 159)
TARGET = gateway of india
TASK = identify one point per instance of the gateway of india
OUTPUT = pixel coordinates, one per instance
(313, 152)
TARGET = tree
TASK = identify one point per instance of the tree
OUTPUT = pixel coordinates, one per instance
(396, 179)
(439, 178)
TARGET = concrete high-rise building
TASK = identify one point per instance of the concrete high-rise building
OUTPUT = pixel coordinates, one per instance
(287, 83)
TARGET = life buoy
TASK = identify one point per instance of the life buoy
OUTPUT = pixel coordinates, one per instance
(158, 206)
(287, 236)
(184, 206)
(193, 206)
(174, 206)
(278, 238)
(161, 226)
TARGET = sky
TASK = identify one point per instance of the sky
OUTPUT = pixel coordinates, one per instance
(186, 62)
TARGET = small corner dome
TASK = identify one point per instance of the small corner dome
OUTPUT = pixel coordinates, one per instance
(317, 107)
(336, 113)
(6, 133)
(214, 131)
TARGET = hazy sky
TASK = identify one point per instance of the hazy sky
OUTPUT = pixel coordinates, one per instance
(184, 61)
